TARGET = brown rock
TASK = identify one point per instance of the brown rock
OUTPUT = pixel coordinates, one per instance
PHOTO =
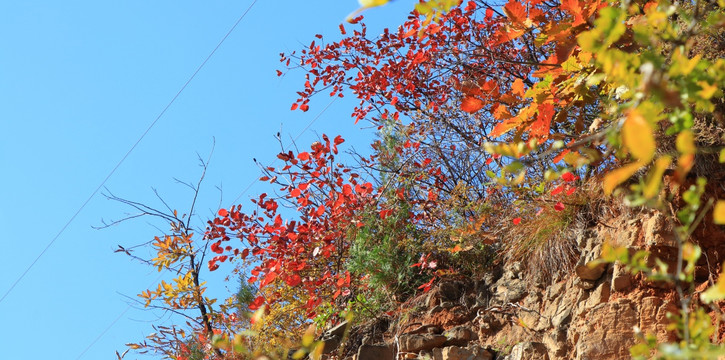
(450, 291)
(375, 352)
(585, 269)
(555, 341)
(417, 342)
(460, 336)
(529, 351)
(599, 295)
(657, 232)
(621, 278)
(461, 353)
(607, 332)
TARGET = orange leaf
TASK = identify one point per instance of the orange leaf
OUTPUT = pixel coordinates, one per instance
(471, 104)
(718, 213)
(505, 127)
(517, 88)
(618, 176)
(540, 127)
(515, 11)
(501, 112)
(506, 34)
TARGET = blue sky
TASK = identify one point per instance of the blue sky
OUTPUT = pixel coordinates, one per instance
(80, 81)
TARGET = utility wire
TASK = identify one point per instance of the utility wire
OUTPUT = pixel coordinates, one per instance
(235, 200)
(295, 139)
(114, 322)
(127, 153)
(104, 331)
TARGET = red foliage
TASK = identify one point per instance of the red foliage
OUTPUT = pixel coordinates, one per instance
(305, 252)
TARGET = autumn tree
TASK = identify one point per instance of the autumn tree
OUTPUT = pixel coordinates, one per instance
(491, 118)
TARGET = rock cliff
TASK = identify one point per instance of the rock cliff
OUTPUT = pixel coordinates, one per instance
(511, 313)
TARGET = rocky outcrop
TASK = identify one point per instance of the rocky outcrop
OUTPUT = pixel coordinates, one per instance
(593, 313)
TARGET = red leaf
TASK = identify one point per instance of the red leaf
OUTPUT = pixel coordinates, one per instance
(256, 303)
(303, 156)
(347, 189)
(304, 107)
(557, 190)
(213, 265)
(293, 280)
(559, 206)
(294, 106)
(517, 221)
(216, 248)
(427, 285)
(223, 212)
(268, 279)
(568, 177)
(295, 192)
(571, 191)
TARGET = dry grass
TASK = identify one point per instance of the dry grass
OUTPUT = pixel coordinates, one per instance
(545, 240)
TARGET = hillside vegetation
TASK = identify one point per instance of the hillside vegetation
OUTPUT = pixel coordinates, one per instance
(540, 143)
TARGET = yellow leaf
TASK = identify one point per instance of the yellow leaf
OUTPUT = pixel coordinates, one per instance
(686, 143)
(611, 254)
(618, 176)
(318, 350)
(309, 336)
(637, 136)
(715, 292)
(364, 5)
(707, 91)
(655, 176)
(718, 214)
(372, 3)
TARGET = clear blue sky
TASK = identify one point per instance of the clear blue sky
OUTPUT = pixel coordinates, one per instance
(80, 81)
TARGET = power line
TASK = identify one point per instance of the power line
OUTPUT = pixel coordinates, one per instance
(295, 139)
(128, 307)
(127, 153)
(104, 332)
(235, 200)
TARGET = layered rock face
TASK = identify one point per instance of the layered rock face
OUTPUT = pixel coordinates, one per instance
(589, 313)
